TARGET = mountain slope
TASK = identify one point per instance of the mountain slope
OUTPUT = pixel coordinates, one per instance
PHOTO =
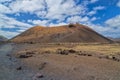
(65, 33)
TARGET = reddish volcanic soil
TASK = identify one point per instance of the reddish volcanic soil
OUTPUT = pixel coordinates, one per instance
(65, 33)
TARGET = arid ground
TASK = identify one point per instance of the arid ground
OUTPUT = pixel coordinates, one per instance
(60, 61)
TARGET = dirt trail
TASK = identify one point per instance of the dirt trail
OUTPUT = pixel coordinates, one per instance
(8, 67)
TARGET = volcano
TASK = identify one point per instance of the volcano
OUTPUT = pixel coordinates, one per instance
(65, 33)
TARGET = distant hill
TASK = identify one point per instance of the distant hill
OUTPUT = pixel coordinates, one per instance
(115, 39)
(2, 38)
(64, 33)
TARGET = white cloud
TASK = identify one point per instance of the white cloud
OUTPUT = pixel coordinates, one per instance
(11, 23)
(75, 19)
(84, 19)
(105, 30)
(57, 10)
(27, 6)
(99, 8)
(45, 23)
(17, 14)
(52, 24)
(2, 1)
(93, 1)
(4, 9)
(110, 29)
(95, 9)
(20, 31)
(114, 22)
(79, 19)
(98, 27)
(51, 9)
(6, 22)
(39, 22)
(8, 34)
(93, 19)
(41, 14)
(92, 13)
(118, 4)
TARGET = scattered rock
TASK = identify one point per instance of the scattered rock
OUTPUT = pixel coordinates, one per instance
(82, 54)
(8, 55)
(42, 65)
(31, 42)
(63, 52)
(89, 55)
(72, 51)
(75, 69)
(27, 53)
(116, 59)
(24, 56)
(48, 52)
(37, 76)
(100, 57)
(109, 57)
(10, 58)
(19, 68)
(112, 57)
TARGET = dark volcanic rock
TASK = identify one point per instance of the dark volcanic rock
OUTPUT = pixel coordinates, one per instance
(62, 52)
(65, 51)
(19, 68)
(28, 53)
(85, 54)
(38, 76)
(42, 65)
(72, 51)
(25, 56)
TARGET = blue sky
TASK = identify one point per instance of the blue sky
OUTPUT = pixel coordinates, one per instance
(17, 16)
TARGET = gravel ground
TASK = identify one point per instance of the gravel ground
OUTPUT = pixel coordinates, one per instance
(49, 66)
(8, 66)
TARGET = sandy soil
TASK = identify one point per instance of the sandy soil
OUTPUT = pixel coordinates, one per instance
(47, 64)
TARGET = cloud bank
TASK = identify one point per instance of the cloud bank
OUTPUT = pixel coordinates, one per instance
(52, 13)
